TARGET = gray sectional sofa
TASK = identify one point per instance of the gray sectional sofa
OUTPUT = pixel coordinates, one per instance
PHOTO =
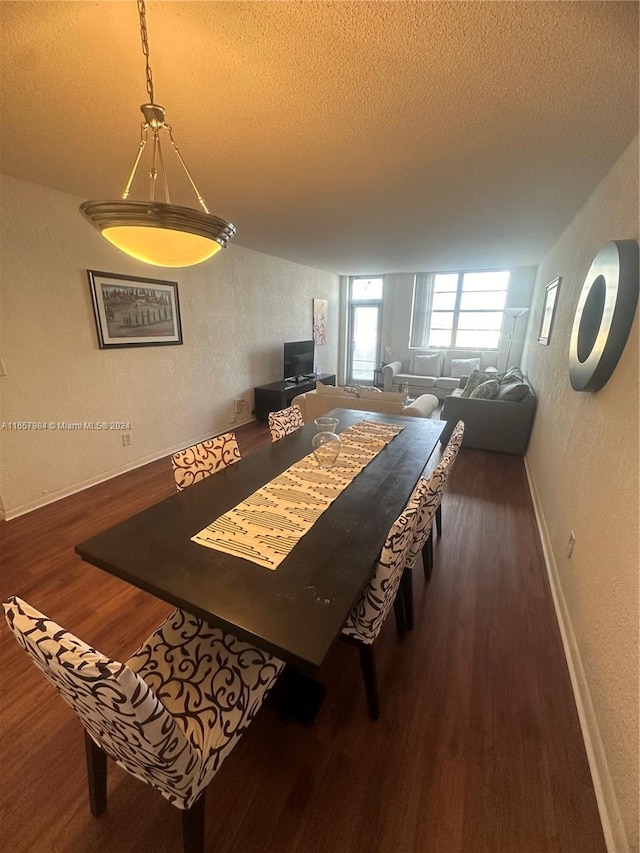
(435, 371)
(497, 424)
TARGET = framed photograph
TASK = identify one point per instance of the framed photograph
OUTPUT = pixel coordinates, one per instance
(134, 312)
(320, 321)
(550, 300)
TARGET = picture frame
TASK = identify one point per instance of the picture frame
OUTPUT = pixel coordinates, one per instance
(320, 307)
(134, 312)
(548, 311)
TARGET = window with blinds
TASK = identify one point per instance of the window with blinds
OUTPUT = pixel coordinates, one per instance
(458, 310)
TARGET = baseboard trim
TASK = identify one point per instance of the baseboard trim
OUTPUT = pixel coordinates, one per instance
(52, 497)
(612, 825)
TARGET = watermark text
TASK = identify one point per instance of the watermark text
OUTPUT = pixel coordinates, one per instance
(65, 426)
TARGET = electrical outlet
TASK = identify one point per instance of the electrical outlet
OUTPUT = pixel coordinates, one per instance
(126, 439)
(571, 543)
(237, 406)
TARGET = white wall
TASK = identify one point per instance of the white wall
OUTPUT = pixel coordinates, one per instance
(237, 310)
(583, 466)
(398, 295)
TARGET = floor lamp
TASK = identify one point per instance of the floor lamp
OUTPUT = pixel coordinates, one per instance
(515, 314)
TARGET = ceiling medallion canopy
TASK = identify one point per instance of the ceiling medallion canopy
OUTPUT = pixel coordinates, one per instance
(158, 232)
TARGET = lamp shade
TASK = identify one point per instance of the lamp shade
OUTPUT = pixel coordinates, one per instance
(160, 234)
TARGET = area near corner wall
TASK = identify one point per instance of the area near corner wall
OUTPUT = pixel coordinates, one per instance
(582, 464)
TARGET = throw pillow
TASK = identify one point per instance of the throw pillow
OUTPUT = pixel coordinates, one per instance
(513, 373)
(463, 366)
(376, 394)
(513, 391)
(331, 389)
(477, 378)
(486, 390)
(355, 390)
(429, 364)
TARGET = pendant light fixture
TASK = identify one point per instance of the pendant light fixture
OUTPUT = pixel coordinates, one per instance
(158, 232)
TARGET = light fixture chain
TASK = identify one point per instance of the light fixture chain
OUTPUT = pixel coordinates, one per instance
(145, 48)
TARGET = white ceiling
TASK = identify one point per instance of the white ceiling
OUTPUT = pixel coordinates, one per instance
(358, 137)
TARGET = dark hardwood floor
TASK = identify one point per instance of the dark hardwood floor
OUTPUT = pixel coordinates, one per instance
(478, 747)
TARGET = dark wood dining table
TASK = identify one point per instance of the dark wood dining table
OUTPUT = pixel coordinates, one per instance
(297, 611)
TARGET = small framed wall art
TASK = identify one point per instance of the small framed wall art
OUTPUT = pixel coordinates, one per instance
(134, 312)
(320, 321)
(550, 301)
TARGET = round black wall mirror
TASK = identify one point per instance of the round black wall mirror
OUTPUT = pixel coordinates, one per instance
(604, 315)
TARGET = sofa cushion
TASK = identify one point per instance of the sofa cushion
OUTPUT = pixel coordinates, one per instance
(513, 390)
(476, 378)
(428, 364)
(451, 354)
(447, 383)
(513, 373)
(356, 389)
(331, 389)
(463, 366)
(415, 381)
(486, 390)
(379, 396)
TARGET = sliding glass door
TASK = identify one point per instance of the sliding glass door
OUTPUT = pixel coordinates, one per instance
(365, 321)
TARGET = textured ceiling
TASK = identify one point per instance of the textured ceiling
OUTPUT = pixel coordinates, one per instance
(352, 137)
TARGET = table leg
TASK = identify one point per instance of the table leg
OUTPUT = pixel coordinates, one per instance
(297, 696)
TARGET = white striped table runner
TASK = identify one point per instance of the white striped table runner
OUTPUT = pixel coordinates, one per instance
(266, 526)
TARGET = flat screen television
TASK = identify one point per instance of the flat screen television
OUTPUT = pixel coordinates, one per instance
(298, 360)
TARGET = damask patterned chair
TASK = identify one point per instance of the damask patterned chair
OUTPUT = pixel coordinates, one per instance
(367, 617)
(285, 422)
(428, 493)
(169, 716)
(201, 460)
(452, 448)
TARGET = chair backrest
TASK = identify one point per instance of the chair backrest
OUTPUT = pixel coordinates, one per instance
(367, 616)
(430, 491)
(428, 494)
(120, 712)
(285, 422)
(455, 442)
(203, 459)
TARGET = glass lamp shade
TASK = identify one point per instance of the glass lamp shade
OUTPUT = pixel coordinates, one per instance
(161, 234)
(160, 246)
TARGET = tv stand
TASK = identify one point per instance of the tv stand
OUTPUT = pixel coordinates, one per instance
(302, 376)
(278, 395)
